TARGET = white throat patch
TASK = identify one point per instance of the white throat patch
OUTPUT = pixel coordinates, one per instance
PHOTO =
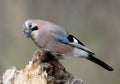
(34, 34)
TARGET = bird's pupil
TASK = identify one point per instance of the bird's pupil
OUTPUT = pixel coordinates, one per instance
(30, 25)
(34, 28)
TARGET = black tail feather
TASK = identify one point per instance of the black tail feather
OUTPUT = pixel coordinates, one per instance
(99, 62)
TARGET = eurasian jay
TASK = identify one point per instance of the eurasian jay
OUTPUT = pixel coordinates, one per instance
(56, 39)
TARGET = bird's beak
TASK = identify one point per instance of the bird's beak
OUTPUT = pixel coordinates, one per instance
(26, 31)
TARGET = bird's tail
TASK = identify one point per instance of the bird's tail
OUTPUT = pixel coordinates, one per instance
(99, 62)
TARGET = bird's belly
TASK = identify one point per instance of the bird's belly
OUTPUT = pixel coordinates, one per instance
(59, 48)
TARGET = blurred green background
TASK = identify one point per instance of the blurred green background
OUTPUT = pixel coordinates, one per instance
(95, 22)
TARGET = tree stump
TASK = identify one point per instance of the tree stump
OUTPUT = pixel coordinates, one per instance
(44, 68)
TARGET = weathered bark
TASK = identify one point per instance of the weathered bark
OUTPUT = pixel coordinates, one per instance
(44, 68)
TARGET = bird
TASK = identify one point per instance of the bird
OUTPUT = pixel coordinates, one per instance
(52, 37)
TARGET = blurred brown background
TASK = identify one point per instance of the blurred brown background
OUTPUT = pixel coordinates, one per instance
(95, 22)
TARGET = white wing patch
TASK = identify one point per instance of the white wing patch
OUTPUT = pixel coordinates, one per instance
(75, 40)
(77, 45)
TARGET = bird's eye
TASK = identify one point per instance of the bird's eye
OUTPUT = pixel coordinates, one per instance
(30, 26)
(34, 28)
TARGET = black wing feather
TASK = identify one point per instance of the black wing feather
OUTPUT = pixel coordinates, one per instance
(70, 38)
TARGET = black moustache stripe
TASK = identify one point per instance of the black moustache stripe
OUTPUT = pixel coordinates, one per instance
(34, 28)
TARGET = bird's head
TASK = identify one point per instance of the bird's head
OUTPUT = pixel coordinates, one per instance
(30, 27)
